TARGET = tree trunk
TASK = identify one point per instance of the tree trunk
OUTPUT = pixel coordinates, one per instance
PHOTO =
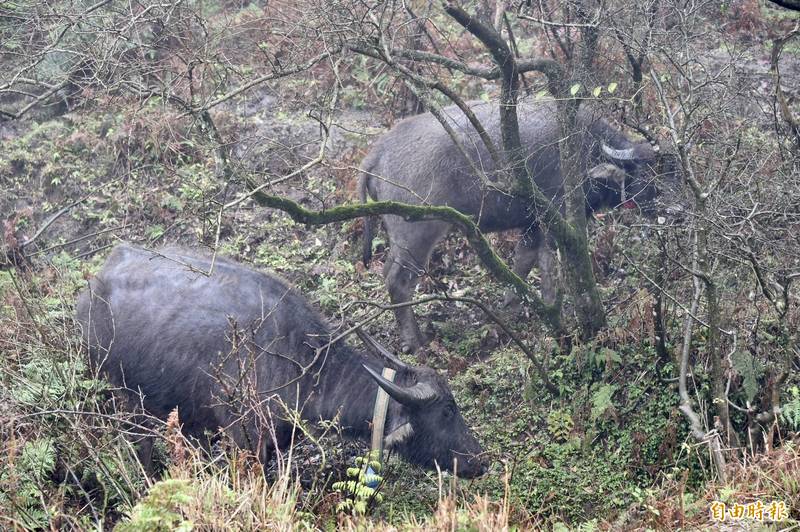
(570, 236)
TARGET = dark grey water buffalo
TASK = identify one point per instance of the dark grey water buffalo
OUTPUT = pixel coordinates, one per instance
(158, 326)
(417, 162)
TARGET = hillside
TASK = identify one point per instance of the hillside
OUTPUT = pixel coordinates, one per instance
(187, 123)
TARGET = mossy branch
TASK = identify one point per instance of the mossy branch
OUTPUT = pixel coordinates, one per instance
(549, 314)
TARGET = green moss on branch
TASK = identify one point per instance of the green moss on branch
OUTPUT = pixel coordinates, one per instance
(549, 314)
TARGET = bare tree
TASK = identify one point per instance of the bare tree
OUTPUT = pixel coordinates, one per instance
(742, 190)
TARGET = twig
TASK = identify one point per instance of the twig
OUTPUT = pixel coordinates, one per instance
(256, 189)
(93, 251)
(80, 238)
(540, 368)
(672, 298)
(61, 212)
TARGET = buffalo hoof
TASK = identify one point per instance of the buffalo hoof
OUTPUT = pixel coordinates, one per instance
(409, 348)
(411, 337)
(511, 301)
(411, 343)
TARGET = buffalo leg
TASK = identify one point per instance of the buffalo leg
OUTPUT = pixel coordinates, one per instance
(410, 247)
(534, 249)
(548, 272)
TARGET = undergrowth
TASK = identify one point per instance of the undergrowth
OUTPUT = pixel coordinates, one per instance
(611, 451)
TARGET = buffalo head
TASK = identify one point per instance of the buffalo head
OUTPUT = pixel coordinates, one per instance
(633, 177)
(426, 427)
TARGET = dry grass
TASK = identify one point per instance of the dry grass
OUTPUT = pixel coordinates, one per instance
(772, 476)
(237, 496)
(231, 497)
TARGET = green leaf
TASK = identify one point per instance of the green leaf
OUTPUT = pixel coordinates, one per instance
(155, 232)
(560, 424)
(574, 89)
(601, 400)
(612, 87)
(725, 494)
(369, 479)
(790, 411)
(38, 459)
(751, 369)
(610, 356)
(596, 91)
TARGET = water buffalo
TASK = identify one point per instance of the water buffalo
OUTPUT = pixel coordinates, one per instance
(158, 326)
(417, 162)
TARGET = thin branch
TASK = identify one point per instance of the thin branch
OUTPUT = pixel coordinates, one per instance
(61, 212)
(79, 239)
(262, 79)
(540, 368)
(712, 438)
(780, 96)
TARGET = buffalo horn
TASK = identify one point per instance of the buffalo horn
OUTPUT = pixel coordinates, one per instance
(627, 154)
(418, 395)
(373, 344)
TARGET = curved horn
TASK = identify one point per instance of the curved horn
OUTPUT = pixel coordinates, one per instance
(380, 350)
(418, 395)
(627, 154)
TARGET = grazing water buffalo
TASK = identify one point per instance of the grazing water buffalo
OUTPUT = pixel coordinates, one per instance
(158, 326)
(417, 162)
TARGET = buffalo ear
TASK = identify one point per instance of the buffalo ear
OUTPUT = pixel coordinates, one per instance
(418, 395)
(608, 172)
(612, 174)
